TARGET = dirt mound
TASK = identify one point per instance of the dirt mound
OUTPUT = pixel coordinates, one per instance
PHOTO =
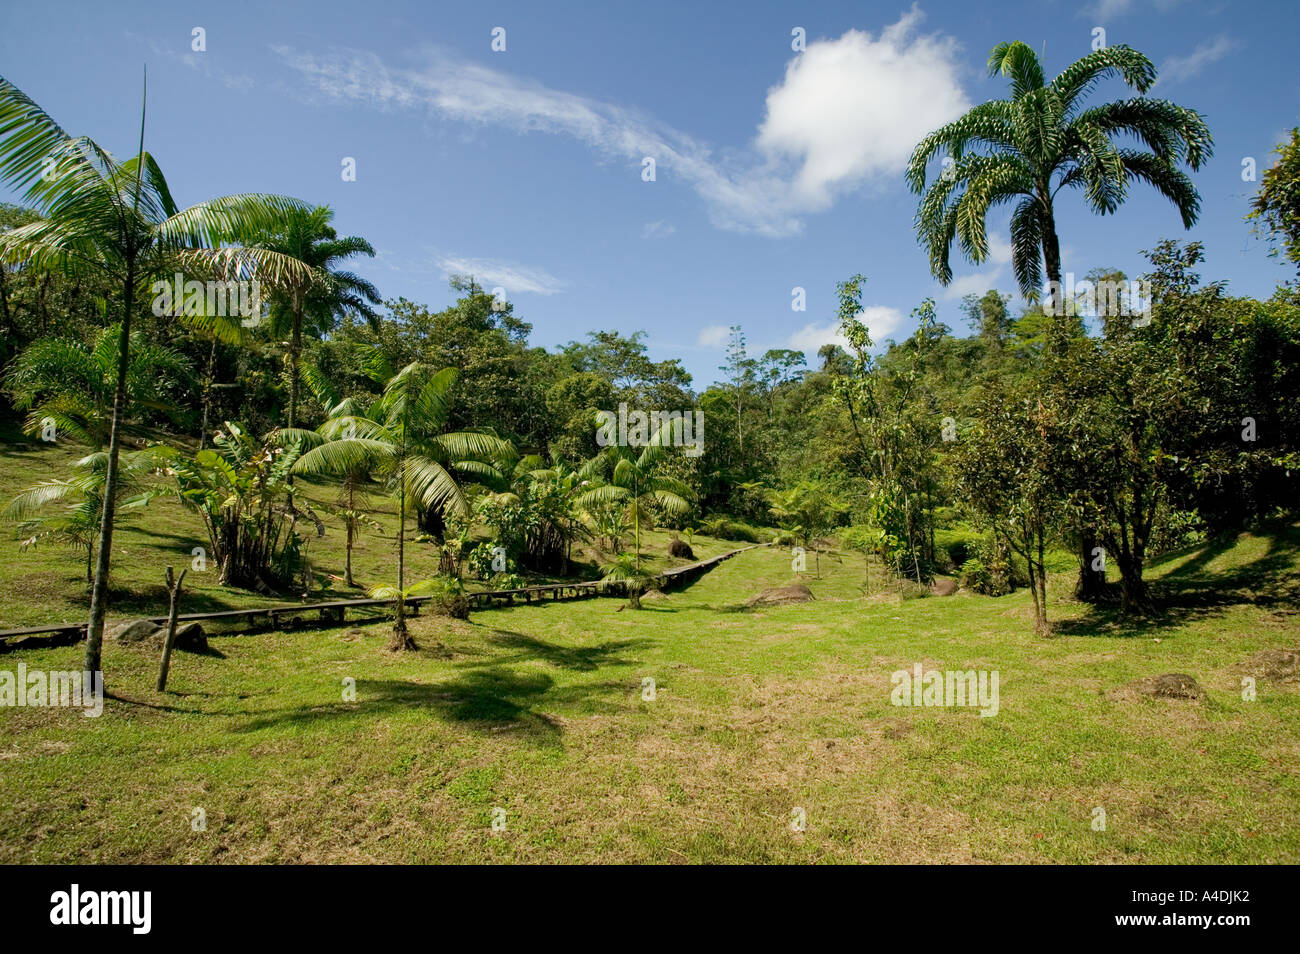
(653, 596)
(681, 549)
(943, 586)
(1176, 685)
(1276, 665)
(780, 595)
(1171, 685)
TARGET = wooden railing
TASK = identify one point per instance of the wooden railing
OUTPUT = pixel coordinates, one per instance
(335, 611)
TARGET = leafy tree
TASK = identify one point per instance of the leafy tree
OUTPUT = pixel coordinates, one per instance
(1004, 470)
(889, 416)
(239, 488)
(1277, 203)
(628, 477)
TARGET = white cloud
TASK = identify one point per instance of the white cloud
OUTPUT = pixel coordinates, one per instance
(854, 108)
(657, 230)
(1177, 68)
(847, 111)
(513, 278)
(713, 336)
(881, 320)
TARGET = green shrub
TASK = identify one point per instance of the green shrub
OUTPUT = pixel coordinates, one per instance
(725, 528)
(447, 597)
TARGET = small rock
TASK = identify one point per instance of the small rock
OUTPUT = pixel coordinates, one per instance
(135, 631)
(943, 586)
(681, 549)
(189, 638)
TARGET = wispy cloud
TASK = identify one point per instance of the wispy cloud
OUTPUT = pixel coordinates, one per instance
(657, 230)
(1177, 68)
(881, 320)
(513, 278)
(847, 112)
(1111, 9)
(197, 61)
(713, 336)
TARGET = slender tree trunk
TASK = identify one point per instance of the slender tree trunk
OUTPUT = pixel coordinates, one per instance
(1091, 587)
(173, 609)
(351, 531)
(207, 393)
(99, 591)
(401, 638)
(295, 345)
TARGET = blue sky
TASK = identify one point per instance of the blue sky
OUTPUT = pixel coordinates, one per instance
(774, 169)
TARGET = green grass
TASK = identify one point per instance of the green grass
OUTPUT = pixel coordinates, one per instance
(539, 711)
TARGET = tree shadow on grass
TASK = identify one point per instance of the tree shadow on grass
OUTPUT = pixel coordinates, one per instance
(150, 600)
(493, 701)
(1190, 592)
(576, 658)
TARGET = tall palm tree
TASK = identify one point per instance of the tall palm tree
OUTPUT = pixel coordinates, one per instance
(627, 478)
(315, 303)
(1026, 149)
(401, 438)
(118, 220)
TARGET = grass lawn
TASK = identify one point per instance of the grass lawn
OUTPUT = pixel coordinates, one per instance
(539, 711)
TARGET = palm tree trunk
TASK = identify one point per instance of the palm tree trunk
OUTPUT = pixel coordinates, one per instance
(401, 638)
(295, 345)
(99, 591)
(352, 505)
(207, 393)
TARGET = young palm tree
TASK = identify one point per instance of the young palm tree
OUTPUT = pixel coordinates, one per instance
(353, 505)
(76, 522)
(72, 386)
(627, 570)
(629, 479)
(314, 303)
(118, 219)
(1026, 149)
(401, 438)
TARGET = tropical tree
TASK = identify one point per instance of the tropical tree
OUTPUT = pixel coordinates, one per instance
(627, 570)
(314, 303)
(68, 510)
(118, 220)
(1276, 207)
(1045, 138)
(401, 440)
(352, 505)
(1004, 471)
(623, 476)
(71, 386)
(239, 488)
